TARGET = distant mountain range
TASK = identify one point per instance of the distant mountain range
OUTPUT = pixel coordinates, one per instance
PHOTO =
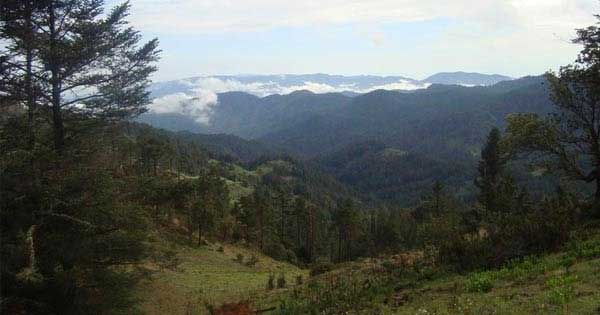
(466, 78)
(388, 144)
(263, 85)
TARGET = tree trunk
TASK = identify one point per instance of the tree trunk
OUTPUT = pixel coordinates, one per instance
(57, 119)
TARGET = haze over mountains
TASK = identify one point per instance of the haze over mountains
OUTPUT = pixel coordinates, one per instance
(391, 143)
(196, 97)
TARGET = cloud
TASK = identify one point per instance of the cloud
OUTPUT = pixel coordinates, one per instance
(196, 104)
(217, 16)
(264, 88)
(200, 95)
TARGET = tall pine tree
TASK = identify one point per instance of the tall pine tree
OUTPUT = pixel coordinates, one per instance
(489, 171)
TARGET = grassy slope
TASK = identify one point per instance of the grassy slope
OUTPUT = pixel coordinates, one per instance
(206, 275)
(508, 295)
(377, 286)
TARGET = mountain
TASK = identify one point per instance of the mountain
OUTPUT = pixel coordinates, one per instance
(466, 78)
(264, 85)
(231, 148)
(422, 135)
(441, 118)
(249, 116)
(394, 146)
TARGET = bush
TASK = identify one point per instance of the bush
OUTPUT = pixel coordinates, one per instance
(482, 282)
(277, 251)
(271, 282)
(252, 261)
(299, 280)
(585, 248)
(464, 254)
(320, 268)
(281, 281)
(239, 258)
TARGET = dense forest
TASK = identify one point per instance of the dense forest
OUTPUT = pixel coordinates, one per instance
(90, 197)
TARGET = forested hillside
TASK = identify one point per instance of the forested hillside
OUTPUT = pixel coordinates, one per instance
(438, 130)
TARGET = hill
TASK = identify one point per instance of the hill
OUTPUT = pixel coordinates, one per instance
(560, 283)
(211, 275)
(466, 78)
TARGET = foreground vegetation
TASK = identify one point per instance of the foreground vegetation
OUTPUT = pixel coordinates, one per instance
(560, 283)
(211, 276)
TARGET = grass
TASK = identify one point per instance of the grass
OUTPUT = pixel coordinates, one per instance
(560, 283)
(535, 296)
(207, 276)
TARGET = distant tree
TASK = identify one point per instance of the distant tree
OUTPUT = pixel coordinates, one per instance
(211, 199)
(489, 171)
(438, 194)
(346, 219)
(569, 140)
(153, 149)
(258, 209)
(81, 62)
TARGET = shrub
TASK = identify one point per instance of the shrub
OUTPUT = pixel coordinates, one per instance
(480, 282)
(281, 281)
(239, 258)
(252, 261)
(271, 282)
(320, 268)
(585, 248)
(567, 262)
(276, 251)
(299, 280)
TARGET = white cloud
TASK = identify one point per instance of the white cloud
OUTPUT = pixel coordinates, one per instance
(201, 96)
(196, 104)
(216, 16)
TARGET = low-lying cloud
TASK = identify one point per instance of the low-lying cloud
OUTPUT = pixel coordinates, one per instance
(197, 97)
(197, 104)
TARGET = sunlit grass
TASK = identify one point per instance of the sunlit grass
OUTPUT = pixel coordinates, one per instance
(206, 275)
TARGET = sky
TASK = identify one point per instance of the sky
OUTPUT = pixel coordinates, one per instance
(412, 38)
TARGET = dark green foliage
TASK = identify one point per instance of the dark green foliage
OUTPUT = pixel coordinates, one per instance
(490, 172)
(271, 282)
(70, 46)
(569, 140)
(480, 282)
(252, 261)
(320, 268)
(281, 282)
(239, 258)
(299, 280)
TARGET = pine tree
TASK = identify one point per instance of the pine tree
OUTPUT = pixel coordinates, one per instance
(82, 63)
(489, 171)
(437, 192)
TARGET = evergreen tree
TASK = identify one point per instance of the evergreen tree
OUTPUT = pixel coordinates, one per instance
(346, 219)
(82, 63)
(438, 194)
(489, 171)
